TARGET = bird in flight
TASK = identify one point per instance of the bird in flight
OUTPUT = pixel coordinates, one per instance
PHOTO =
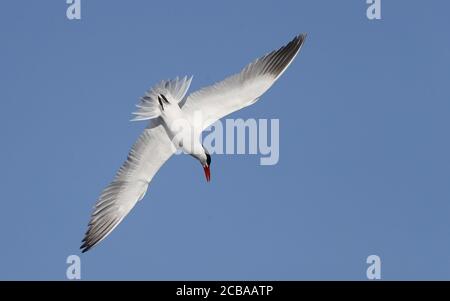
(165, 105)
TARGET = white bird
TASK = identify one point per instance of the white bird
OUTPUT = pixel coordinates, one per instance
(165, 104)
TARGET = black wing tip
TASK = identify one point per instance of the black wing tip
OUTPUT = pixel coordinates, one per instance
(89, 241)
(85, 246)
(297, 42)
(278, 60)
(94, 235)
(301, 37)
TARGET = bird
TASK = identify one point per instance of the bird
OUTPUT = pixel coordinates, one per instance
(163, 105)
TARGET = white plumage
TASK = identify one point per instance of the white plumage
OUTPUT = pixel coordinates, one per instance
(148, 107)
(163, 104)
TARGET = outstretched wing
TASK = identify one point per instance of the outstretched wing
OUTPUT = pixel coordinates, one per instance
(242, 89)
(148, 154)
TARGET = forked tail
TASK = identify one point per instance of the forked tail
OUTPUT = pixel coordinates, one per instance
(149, 106)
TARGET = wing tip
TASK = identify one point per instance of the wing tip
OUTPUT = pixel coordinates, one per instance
(85, 246)
(86, 242)
(301, 37)
(279, 60)
(91, 240)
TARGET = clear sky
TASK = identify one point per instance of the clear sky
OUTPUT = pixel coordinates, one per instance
(364, 141)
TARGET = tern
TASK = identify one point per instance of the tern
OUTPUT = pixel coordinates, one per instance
(165, 104)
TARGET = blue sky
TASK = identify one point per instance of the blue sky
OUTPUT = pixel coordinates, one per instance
(364, 151)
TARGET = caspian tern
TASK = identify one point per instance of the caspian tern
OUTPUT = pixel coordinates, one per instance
(163, 105)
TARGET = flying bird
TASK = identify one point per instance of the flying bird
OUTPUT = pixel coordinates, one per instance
(164, 105)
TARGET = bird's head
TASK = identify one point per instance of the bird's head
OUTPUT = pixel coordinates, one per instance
(205, 160)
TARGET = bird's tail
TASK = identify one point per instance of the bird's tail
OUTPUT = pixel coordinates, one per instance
(150, 107)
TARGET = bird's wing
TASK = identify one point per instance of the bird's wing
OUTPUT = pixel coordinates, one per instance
(147, 155)
(244, 88)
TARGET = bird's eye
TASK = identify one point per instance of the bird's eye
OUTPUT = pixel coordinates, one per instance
(208, 159)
